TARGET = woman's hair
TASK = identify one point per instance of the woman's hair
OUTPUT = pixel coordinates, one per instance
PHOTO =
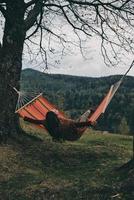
(52, 119)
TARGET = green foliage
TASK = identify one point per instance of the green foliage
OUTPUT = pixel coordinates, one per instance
(123, 127)
(75, 95)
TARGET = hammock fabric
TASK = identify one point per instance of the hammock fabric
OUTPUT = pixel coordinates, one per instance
(37, 109)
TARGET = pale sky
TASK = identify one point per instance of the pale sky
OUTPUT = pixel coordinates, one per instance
(73, 63)
(92, 66)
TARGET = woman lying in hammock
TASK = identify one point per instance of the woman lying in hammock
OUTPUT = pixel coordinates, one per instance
(62, 128)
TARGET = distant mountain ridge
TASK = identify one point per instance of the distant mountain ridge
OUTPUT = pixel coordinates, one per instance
(75, 94)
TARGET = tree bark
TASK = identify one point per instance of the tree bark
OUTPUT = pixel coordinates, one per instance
(133, 149)
(10, 66)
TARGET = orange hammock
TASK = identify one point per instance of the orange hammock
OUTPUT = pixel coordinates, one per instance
(39, 106)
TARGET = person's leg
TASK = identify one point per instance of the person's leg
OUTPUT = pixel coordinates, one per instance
(85, 116)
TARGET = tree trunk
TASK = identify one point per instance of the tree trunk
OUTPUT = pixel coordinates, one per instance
(10, 66)
(133, 149)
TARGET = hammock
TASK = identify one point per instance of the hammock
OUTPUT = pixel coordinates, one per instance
(38, 107)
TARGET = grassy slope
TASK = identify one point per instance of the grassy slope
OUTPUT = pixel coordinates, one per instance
(86, 169)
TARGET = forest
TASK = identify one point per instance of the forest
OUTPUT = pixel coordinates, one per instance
(74, 95)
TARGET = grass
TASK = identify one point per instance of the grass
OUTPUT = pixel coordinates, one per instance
(86, 169)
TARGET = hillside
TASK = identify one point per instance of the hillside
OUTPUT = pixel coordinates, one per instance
(86, 169)
(75, 94)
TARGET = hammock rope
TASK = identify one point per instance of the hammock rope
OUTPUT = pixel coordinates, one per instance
(24, 98)
(122, 78)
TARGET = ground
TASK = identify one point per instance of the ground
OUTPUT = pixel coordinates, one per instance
(37, 168)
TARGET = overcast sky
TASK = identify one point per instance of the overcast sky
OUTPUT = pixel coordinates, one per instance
(92, 66)
(74, 64)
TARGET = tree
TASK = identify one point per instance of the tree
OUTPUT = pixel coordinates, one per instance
(123, 127)
(22, 20)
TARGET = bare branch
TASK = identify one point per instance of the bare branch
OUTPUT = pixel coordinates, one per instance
(38, 24)
(42, 50)
(3, 10)
(94, 17)
(33, 14)
(30, 3)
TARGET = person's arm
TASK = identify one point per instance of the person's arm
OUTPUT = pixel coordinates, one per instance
(34, 121)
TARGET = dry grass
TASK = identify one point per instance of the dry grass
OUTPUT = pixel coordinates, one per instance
(86, 169)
